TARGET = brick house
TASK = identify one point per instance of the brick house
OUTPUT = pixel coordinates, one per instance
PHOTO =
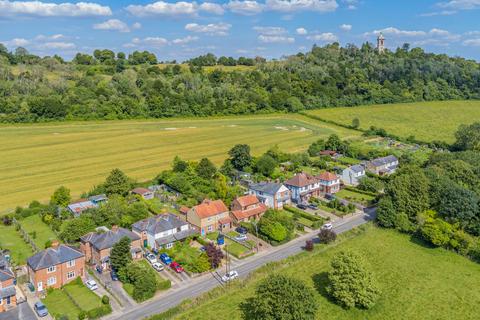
(162, 231)
(303, 186)
(247, 208)
(55, 266)
(96, 246)
(210, 216)
(8, 299)
(329, 182)
(273, 195)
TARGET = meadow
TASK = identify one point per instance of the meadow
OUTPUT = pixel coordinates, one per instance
(38, 158)
(427, 121)
(417, 282)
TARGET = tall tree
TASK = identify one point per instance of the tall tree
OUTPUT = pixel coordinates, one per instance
(240, 156)
(61, 197)
(206, 169)
(120, 254)
(117, 183)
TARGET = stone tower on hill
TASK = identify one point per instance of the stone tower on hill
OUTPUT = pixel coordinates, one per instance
(381, 43)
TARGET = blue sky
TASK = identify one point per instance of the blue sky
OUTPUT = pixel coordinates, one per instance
(270, 28)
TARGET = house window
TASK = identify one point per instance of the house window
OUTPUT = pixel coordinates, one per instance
(51, 281)
(210, 228)
(70, 275)
(71, 263)
(51, 269)
(169, 245)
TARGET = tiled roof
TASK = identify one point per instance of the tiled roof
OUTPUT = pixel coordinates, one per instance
(7, 292)
(160, 223)
(184, 209)
(383, 161)
(266, 187)
(107, 239)
(225, 220)
(247, 200)
(245, 214)
(210, 208)
(327, 176)
(301, 180)
(6, 274)
(53, 256)
(357, 168)
(141, 191)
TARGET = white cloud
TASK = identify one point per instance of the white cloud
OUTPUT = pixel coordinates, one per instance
(174, 9)
(472, 42)
(324, 37)
(54, 37)
(17, 42)
(460, 4)
(438, 13)
(112, 24)
(149, 41)
(301, 31)
(301, 5)
(248, 7)
(271, 31)
(346, 27)
(56, 46)
(396, 32)
(185, 40)
(47, 9)
(351, 4)
(275, 39)
(219, 29)
(433, 37)
(136, 25)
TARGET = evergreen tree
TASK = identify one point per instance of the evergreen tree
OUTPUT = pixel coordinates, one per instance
(120, 255)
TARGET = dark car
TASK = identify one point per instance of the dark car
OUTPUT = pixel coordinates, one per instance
(302, 206)
(329, 196)
(99, 269)
(241, 230)
(313, 206)
(114, 275)
(40, 309)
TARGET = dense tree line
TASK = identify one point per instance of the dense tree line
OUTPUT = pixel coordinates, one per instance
(108, 85)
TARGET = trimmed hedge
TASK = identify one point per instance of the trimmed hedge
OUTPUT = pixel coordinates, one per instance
(300, 213)
(99, 312)
(368, 193)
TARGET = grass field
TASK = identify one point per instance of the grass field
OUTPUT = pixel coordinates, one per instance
(43, 232)
(427, 121)
(354, 196)
(58, 303)
(36, 159)
(416, 282)
(10, 239)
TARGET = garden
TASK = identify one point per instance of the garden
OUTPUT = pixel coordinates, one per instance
(362, 198)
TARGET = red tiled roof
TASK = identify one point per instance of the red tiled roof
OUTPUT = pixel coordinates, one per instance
(210, 208)
(301, 180)
(248, 200)
(239, 214)
(184, 209)
(141, 190)
(225, 220)
(327, 176)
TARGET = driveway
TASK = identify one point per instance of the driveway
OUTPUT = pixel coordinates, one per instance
(21, 312)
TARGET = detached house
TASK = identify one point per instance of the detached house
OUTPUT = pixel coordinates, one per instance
(383, 166)
(303, 186)
(210, 216)
(351, 176)
(55, 266)
(247, 208)
(144, 193)
(329, 182)
(8, 299)
(96, 246)
(162, 231)
(273, 195)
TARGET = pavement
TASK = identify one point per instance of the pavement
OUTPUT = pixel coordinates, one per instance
(171, 298)
(22, 312)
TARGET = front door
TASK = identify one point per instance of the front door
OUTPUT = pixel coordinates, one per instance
(145, 243)
(40, 286)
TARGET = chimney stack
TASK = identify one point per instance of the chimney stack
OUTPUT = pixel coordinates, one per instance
(114, 228)
(55, 244)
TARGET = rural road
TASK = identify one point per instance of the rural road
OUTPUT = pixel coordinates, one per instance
(205, 283)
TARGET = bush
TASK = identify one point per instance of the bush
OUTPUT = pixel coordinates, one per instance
(300, 213)
(82, 315)
(99, 312)
(105, 299)
(309, 245)
(327, 236)
(164, 285)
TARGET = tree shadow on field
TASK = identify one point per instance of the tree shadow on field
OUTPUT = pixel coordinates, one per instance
(320, 281)
(417, 239)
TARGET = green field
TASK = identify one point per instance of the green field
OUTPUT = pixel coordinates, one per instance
(427, 121)
(36, 159)
(417, 282)
(43, 233)
(11, 239)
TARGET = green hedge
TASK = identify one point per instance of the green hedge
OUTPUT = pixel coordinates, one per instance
(164, 285)
(300, 213)
(99, 312)
(368, 193)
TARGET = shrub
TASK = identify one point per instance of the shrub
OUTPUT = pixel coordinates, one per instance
(82, 315)
(99, 312)
(105, 299)
(309, 245)
(327, 236)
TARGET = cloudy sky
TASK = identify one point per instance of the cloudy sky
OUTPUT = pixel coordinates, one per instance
(270, 28)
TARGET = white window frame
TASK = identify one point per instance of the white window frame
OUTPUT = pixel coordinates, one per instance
(70, 263)
(169, 245)
(51, 281)
(210, 228)
(70, 275)
(51, 269)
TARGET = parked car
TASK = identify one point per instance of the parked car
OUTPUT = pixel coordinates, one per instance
(327, 226)
(40, 309)
(99, 269)
(114, 275)
(232, 275)
(202, 249)
(91, 284)
(312, 206)
(329, 196)
(158, 266)
(151, 258)
(175, 266)
(241, 230)
(302, 206)
(165, 258)
(241, 237)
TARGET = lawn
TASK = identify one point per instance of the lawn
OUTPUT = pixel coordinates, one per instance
(417, 282)
(426, 121)
(354, 196)
(43, 232)
(156, 206)
(58, 303)
(10, 239)
(235, 248)
(84, 297)
(38, 158)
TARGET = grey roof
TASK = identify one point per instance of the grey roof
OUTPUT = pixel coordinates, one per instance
(53, 256)
(266, 187)
(357, 168)
(6, 274)
(175, 237)
(383, 161)
(109, 238)
(160, 223)
(98, 198)
(7, 292)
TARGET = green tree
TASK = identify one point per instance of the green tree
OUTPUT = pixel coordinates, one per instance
(76, 228)
(206, 169)
(240, 156)
(356, 123)
(316, 147)
(266, 165)
(120, 254)
(61, 197)
(117, 183)
(274, 230)
(279, 297)
(179, 165)
(351, 283)
(468, 137)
